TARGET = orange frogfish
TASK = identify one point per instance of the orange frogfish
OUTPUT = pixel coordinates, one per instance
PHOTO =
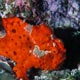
(31, 46)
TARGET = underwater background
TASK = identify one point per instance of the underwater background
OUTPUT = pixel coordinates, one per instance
(63, 17)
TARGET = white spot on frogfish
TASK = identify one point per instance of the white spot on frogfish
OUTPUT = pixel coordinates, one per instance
(51, 36)
(40, 53)
(28, 28)
(54, 44)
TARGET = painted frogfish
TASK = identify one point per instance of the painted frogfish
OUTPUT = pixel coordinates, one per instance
(30, 46)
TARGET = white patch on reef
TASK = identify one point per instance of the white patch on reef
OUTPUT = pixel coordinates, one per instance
(29, 28)
(79, 66)
(40, 53)
(4, 62)
(2, 34)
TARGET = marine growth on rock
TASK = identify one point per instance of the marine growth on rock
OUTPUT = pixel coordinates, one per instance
(55, 13)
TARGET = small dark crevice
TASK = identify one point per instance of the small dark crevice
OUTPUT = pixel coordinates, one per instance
(32, 72)
(1, 24)
(2, 29)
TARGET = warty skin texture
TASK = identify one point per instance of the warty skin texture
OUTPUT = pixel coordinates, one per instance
(20, 41)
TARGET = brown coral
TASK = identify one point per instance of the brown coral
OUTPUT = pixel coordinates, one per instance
(31, 46)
